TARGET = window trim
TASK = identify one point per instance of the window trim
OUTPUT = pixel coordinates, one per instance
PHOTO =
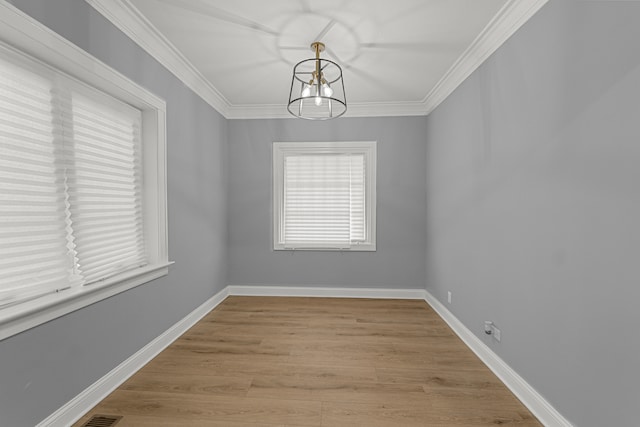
(28, 37)
(280, 149)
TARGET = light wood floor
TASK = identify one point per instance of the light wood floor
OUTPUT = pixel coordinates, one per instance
(266, 362)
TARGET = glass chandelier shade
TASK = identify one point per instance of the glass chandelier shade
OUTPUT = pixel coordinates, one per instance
(317, 88)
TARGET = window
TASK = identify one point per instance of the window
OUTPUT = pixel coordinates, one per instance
(70, 198)
(324, 195)
(82, 180)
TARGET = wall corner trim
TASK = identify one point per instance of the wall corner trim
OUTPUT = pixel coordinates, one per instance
(73, 410)
(537, 404)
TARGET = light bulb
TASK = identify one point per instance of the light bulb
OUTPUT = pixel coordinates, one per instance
(306, 91)
(318, 101)
(327, 89)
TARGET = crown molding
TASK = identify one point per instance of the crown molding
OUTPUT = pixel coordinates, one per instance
(128, 19)
(378, 109)
(506, 22)
(258, 111)
(135, 25)
(385, 109)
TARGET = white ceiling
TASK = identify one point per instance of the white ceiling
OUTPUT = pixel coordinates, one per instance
(398, 57)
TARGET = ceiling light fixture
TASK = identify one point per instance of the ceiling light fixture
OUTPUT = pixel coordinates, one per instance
(317, 88)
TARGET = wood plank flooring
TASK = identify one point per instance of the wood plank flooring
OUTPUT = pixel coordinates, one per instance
(327, 362)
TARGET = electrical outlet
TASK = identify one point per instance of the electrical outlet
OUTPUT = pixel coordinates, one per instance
(449, 297)
(496, 333)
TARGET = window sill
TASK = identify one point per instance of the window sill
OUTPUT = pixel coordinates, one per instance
(355, 248)
(22, 316)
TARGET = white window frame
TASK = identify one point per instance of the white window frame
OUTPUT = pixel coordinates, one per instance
(282, 149)
(28, 37)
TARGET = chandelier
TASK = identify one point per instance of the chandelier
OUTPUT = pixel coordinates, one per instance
(317, 88)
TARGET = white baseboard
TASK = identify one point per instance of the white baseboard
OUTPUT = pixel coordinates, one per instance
(78, 406)
(92, 395)
(318, 291)
(537, 404)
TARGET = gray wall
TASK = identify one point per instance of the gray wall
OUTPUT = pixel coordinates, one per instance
(41, 369)
(399, 261)
(533, 167)
(531, 172)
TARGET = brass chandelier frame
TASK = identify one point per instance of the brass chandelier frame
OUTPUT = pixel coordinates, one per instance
(321, 93)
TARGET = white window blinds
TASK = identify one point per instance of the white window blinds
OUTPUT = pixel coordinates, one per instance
(35, 254)
(70, 186)
(323, 199)
(324, 195)
(104, 188)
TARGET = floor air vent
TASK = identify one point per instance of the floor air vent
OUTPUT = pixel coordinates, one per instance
(103, 421)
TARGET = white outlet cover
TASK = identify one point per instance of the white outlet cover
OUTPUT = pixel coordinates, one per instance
(449, 297)
(496, 333)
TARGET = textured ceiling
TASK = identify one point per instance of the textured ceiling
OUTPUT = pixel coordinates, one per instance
(394, 53)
